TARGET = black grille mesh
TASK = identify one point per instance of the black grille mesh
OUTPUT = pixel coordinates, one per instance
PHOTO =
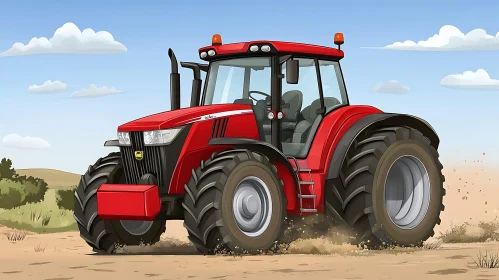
(152, 161)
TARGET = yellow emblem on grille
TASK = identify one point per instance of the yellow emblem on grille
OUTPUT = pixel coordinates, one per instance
(139, 155)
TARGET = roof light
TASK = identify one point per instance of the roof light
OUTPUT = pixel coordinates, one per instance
(266, 48)
(254, 48)
(338, 39)
(271, 115)
(203, 54)
(216, 40)
(211, 52)
(280, 115)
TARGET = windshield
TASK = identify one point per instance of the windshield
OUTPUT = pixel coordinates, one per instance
(231, 80)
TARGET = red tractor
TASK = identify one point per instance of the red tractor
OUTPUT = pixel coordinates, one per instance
(257, 147)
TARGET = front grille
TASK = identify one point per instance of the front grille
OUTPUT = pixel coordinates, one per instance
(153, 161)
(157, 160)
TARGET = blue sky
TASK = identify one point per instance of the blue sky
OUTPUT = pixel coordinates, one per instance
(76, 128)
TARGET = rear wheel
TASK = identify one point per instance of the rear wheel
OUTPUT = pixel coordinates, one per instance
(106, 235)
(390, 188)
(234, 201)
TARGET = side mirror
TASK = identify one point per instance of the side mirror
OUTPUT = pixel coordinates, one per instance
(292, 71)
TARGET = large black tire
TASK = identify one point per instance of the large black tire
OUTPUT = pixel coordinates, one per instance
(358, 195)
(104, 236)
(208, 203)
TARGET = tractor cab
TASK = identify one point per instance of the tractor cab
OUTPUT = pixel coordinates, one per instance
(289, 86)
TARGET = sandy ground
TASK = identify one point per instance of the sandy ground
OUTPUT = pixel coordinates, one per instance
(472, 196)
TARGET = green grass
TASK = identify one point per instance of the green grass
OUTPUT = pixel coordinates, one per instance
(41, 217)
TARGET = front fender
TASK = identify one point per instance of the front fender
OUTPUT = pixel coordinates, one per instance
(112, 143)
(264, 148)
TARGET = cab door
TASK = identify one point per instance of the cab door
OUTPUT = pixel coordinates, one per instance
(318, 91)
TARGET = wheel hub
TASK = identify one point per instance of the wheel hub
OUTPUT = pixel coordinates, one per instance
(407, 192)
(252, 206)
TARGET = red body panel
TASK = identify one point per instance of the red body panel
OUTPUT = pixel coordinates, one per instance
(285, 47)
(170, 119)
(196, 146)
(329, 133)
(289, 186)
(128, 202)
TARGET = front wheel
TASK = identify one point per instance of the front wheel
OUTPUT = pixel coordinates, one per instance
(234, 201)
(105, 235)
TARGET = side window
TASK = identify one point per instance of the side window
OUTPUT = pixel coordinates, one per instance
(229, 84)
(330, 77)
(307, 82)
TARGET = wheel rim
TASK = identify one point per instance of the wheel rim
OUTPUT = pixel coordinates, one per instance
(252, 206)
(136, 227)
(407, 192)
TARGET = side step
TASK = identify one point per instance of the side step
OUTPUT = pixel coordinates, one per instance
(306, 182)
(305, 210)
(302, 169)
(307, 196)
(310, 182)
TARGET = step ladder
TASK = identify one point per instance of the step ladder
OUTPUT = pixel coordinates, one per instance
(301, 183)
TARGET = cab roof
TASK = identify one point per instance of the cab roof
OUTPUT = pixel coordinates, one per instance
(234, 49)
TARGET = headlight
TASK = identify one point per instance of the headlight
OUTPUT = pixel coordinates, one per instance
(266, 48)
(161, 137)
(124, 138)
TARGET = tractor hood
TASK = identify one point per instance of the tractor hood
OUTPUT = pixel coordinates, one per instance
(175, 118)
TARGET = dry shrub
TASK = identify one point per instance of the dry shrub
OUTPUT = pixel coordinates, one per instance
(432, 245)
(468, 233)
(487, 260)
(16, 235)
(39, 248)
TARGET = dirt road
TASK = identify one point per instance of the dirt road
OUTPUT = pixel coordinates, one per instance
(66, 256)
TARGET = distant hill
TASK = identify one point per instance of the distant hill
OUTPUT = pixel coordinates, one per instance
(54, 178)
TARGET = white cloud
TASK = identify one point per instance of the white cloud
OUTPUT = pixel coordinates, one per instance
(69, 39)
(450, 38)
(469, 79)
(26, 142)
(94, 91)
(391, 87)
(49, 87)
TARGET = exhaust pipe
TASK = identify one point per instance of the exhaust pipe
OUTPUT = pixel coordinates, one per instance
(196, 82)
(174, 82)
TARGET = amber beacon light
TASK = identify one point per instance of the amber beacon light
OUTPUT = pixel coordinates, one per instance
(216, 40)
(338, 39)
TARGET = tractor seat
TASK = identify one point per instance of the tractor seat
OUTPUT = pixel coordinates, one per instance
(295, 99)
(309, 114)
(301, 136)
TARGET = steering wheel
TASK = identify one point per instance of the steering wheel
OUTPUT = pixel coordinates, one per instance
(257, 92)
(284, 105)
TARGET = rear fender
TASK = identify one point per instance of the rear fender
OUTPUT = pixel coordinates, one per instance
(371, 122)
